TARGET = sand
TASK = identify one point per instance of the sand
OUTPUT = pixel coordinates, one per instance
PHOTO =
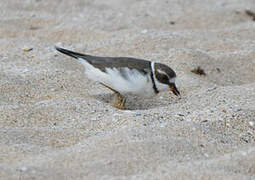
(56, 124)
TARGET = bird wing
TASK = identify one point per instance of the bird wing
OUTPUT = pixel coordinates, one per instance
(102, 63)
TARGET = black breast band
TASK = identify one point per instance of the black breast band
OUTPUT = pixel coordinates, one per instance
(153, 82)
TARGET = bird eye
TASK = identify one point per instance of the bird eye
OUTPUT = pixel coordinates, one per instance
(164, 77)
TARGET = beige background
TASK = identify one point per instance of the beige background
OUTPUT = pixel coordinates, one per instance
(56, 124)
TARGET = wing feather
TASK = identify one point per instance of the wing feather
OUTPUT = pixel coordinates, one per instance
(110, 62)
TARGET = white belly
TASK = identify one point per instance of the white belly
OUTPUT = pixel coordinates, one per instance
(134, 82)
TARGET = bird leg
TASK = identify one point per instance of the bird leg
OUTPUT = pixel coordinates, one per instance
(119, 100)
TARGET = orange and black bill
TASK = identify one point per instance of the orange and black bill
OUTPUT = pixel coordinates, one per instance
(174, 89)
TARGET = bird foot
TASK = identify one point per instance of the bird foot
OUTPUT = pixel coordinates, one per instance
(119, 101)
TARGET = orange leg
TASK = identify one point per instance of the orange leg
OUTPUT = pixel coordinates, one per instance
(119, 100)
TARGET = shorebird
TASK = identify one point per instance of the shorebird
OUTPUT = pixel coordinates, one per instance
(125, 75)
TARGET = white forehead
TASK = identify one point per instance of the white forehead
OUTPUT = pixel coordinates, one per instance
(172, 80)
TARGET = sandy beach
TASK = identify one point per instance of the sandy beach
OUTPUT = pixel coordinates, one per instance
(57, 124)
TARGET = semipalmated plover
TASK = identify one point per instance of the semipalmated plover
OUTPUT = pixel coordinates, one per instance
(125, 75)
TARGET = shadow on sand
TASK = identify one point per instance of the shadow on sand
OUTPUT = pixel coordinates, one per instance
(136, 103)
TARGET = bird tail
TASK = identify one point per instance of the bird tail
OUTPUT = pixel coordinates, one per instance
(70, 53)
